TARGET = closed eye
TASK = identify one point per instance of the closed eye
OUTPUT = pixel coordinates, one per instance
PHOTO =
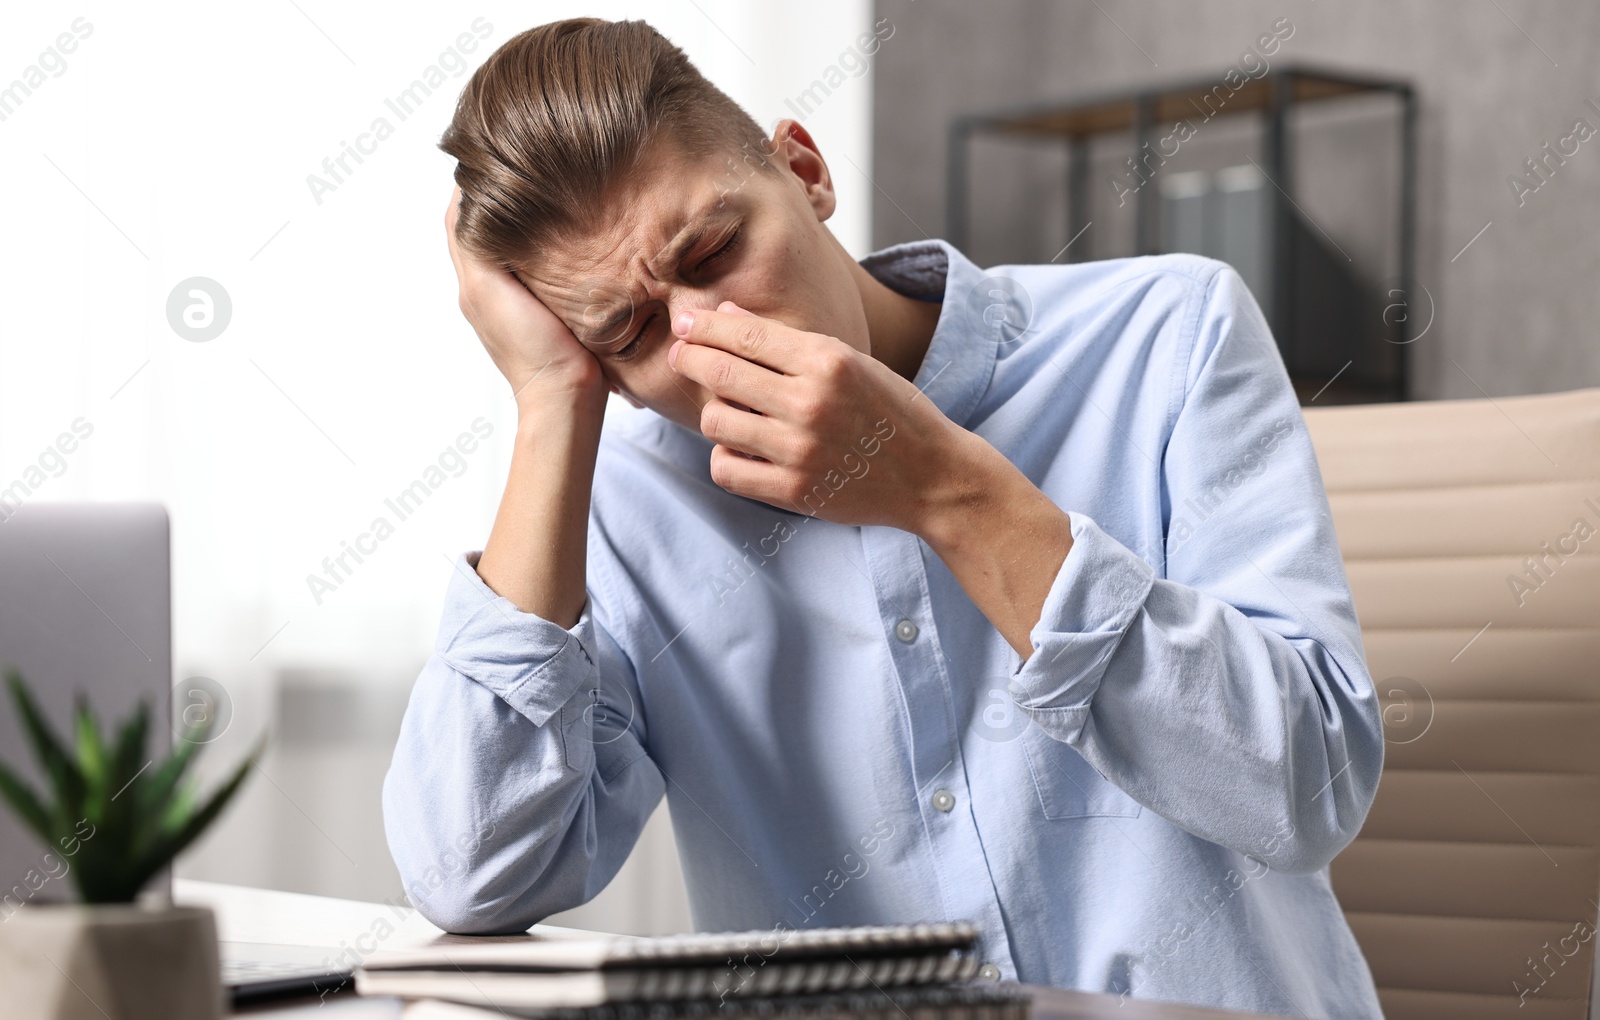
(721, 253)
(627, 353)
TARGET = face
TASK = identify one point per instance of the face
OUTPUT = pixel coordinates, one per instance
(689, 233)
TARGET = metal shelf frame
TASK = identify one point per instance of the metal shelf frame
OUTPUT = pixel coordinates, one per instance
(1274, 94)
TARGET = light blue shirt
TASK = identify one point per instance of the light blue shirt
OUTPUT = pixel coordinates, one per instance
(1146, 807)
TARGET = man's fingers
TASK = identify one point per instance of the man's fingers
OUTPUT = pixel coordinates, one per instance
(480, 285)
(743, 475)
(453, 210)
(730, 377)
(748, 336)
(451, 214)
(741, 430)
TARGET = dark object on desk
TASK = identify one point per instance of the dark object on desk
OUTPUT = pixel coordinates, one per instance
(926, 1002)
(256, 972)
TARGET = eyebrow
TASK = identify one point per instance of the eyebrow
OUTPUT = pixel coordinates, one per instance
(672, 254)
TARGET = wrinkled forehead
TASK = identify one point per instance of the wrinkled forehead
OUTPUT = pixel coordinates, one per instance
(592, 276)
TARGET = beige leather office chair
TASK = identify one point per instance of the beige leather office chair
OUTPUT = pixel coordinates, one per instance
(1471, 535)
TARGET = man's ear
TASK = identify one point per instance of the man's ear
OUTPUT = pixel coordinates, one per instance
(797, 150)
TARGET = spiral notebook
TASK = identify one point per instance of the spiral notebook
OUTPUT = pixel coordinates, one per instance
(983, 1001)
(704, 966)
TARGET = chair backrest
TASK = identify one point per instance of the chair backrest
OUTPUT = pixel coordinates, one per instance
(1471, 536)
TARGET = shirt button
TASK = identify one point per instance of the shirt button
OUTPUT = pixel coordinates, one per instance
(944, 800)
(906, 631)
(989, 971)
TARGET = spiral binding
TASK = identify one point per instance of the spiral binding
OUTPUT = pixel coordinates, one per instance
(925, 1002)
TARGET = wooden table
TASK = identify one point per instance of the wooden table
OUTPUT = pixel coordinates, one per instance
(353, 927)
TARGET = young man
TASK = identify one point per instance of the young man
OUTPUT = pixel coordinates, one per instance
(922, 593)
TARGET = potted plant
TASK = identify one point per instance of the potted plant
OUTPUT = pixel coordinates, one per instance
(114, 819)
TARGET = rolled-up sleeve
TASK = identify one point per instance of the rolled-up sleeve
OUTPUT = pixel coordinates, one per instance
(519, 781)
(534, 665)
(1228, 691)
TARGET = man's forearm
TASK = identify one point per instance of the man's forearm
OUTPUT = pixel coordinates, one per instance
(537, 550)
(1002, 538)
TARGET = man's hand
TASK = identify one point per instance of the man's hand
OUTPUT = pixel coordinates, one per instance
(839, 435)
(537, 553)
(527, 342)
(806, 422)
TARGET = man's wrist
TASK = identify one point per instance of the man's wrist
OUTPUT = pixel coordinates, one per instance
(1001, 536)
(542, 405)
(973, 480)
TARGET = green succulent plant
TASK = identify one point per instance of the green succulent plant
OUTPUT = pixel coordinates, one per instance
(123, 815)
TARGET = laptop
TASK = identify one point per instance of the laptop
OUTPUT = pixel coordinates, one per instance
(86, 604)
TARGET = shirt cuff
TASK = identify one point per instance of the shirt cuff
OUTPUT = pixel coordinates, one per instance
(1095, 597)
(532, 664)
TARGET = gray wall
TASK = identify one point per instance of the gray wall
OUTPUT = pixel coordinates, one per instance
(1515, 312)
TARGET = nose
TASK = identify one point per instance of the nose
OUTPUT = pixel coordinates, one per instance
(680, 298)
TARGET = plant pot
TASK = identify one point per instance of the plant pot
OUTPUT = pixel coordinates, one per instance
(120, 961)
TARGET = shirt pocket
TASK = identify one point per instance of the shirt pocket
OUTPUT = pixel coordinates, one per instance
(1067, 785)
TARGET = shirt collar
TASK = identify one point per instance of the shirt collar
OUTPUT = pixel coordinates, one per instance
(972, 324)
